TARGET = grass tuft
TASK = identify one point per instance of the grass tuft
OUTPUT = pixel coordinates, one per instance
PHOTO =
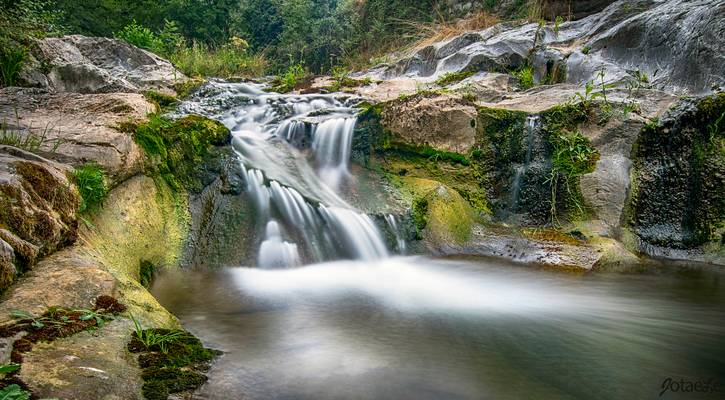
(91, 182)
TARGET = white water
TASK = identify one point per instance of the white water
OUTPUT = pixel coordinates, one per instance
(295, 153)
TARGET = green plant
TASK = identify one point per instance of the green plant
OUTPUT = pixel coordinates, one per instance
(525, 76)
(14, 392)
(140, 36)
(152, 338)
(34, 321)
(7, 368)
(146, 272)
(288, 81)
(160, 99)
(91, 182)
(715, 128)
(586, 49)
(557, 24)
(11, 62)
(99, 317)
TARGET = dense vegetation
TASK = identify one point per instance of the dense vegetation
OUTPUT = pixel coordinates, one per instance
(231, 37)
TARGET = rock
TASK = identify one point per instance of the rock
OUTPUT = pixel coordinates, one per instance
(445, 123)
(677, 200)
(674, 44)
(38, 207)
(82, 64)
(88, 365)
(68, 278)
(79, 128)
(572, 10)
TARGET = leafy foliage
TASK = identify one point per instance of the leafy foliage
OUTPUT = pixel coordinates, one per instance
(14, 392)
(525, 75)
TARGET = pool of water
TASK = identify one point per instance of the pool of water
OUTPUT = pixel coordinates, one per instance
(426, 328)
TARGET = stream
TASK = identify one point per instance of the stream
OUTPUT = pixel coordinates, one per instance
(329, 310)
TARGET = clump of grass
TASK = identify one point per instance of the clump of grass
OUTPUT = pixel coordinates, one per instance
(453, 77)
(27, 141)
(12, 59)
(91, 182)
(341, 80)
(525, 76)
(14, 392)
(228, 61)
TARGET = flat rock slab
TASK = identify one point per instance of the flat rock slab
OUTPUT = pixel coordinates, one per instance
(78, 128)
(88, 365)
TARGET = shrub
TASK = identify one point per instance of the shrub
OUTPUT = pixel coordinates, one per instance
(91, 182)
(230, 60)
(140, 36)
(525, 75)
(288, 81)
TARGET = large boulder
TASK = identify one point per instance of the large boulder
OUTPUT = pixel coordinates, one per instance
(75, 128)
(445, 123)
(83, 64)
(38, 207)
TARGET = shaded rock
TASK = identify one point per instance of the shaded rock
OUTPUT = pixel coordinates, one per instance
(677, 199)
(82, 64)
(79, 128)
(443, 122)
(570, 9)
(38, 207)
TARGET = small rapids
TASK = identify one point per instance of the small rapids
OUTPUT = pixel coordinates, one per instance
(295, 153)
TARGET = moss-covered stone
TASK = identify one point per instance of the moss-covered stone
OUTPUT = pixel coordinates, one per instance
(440, 214)
(172, 363)
(175, 148)
(677, 197)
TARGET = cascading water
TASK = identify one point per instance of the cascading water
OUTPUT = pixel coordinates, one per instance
(532, 124)
(295, 152)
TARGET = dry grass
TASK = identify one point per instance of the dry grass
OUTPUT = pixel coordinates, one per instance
(430, 33)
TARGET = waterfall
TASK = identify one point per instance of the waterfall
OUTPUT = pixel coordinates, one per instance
(295, 154)
(532, 123)
(399, 236)
(331, 142)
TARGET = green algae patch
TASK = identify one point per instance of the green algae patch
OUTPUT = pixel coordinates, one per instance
(175, 148)
(143, 219)
(439, 212)
(172, 361)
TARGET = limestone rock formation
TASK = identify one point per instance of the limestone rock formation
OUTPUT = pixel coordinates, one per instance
(83, 64)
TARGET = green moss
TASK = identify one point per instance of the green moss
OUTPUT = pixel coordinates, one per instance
(453, 77)
(186, 88)
(177, 147)
(175, 366)
(91, 182)
(161, 100)
(439, 212)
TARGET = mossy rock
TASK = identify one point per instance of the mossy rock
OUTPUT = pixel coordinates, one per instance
(176, 148)
(440, 214)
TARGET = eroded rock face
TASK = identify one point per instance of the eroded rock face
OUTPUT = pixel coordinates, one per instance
(38, 207)
(444, 123)
(78, 128)
(678, 199)
(82, 64)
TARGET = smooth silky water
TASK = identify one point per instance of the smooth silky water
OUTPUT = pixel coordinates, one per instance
(325, 311)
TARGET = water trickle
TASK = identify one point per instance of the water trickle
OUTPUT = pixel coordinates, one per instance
(331, 144)
(395, 228)
(532, 125)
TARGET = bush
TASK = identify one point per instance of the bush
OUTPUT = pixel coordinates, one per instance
(91, 182)
(11, 62)
(295, 75)
(140, 36)
(525, 75)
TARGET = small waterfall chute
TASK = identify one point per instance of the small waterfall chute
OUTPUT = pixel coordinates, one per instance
(274, 252)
